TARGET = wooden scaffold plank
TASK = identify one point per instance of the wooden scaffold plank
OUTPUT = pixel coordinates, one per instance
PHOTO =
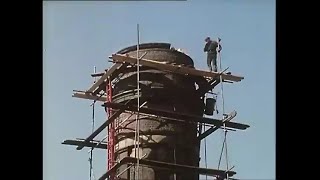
(104, 77)
(174, 68)
(83, 95)
(169, 166)
(99, 129)
(93, 143)
(98, 74)
(175, 115)
(102, 86)
(103, 126)
(212, 129)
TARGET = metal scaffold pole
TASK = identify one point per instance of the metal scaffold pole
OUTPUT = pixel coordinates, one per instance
(224, 145)
(92, 130)
(137, 129)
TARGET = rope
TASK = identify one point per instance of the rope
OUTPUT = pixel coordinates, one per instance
(92, 130)
(223, 112)
(98, 143)
(226, 152)
(221, 154)
(91, 153)
(205, 151)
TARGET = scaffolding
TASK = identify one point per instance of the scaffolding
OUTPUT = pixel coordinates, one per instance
(101, 91)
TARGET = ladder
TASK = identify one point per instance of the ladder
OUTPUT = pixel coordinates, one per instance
(111, 130)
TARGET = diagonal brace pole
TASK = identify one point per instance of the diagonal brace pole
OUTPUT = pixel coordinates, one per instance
(103, 126)
(213, 129)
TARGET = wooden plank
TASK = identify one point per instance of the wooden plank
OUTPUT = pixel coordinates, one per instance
(99, 129)
(182, 168)
(93, 143)
(175, 115)
(84, 95)
(205, 88)
(212, 129)
(102, 86)
(174, 68)
(104, 77)
(97, 74)
(104, 125)
(169, 166)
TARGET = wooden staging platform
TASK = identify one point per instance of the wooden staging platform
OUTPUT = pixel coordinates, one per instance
(169, 166)
(122, 60)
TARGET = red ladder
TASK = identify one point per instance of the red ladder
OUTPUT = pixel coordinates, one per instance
(111, 130)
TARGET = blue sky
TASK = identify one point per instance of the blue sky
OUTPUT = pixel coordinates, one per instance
(80, 35)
